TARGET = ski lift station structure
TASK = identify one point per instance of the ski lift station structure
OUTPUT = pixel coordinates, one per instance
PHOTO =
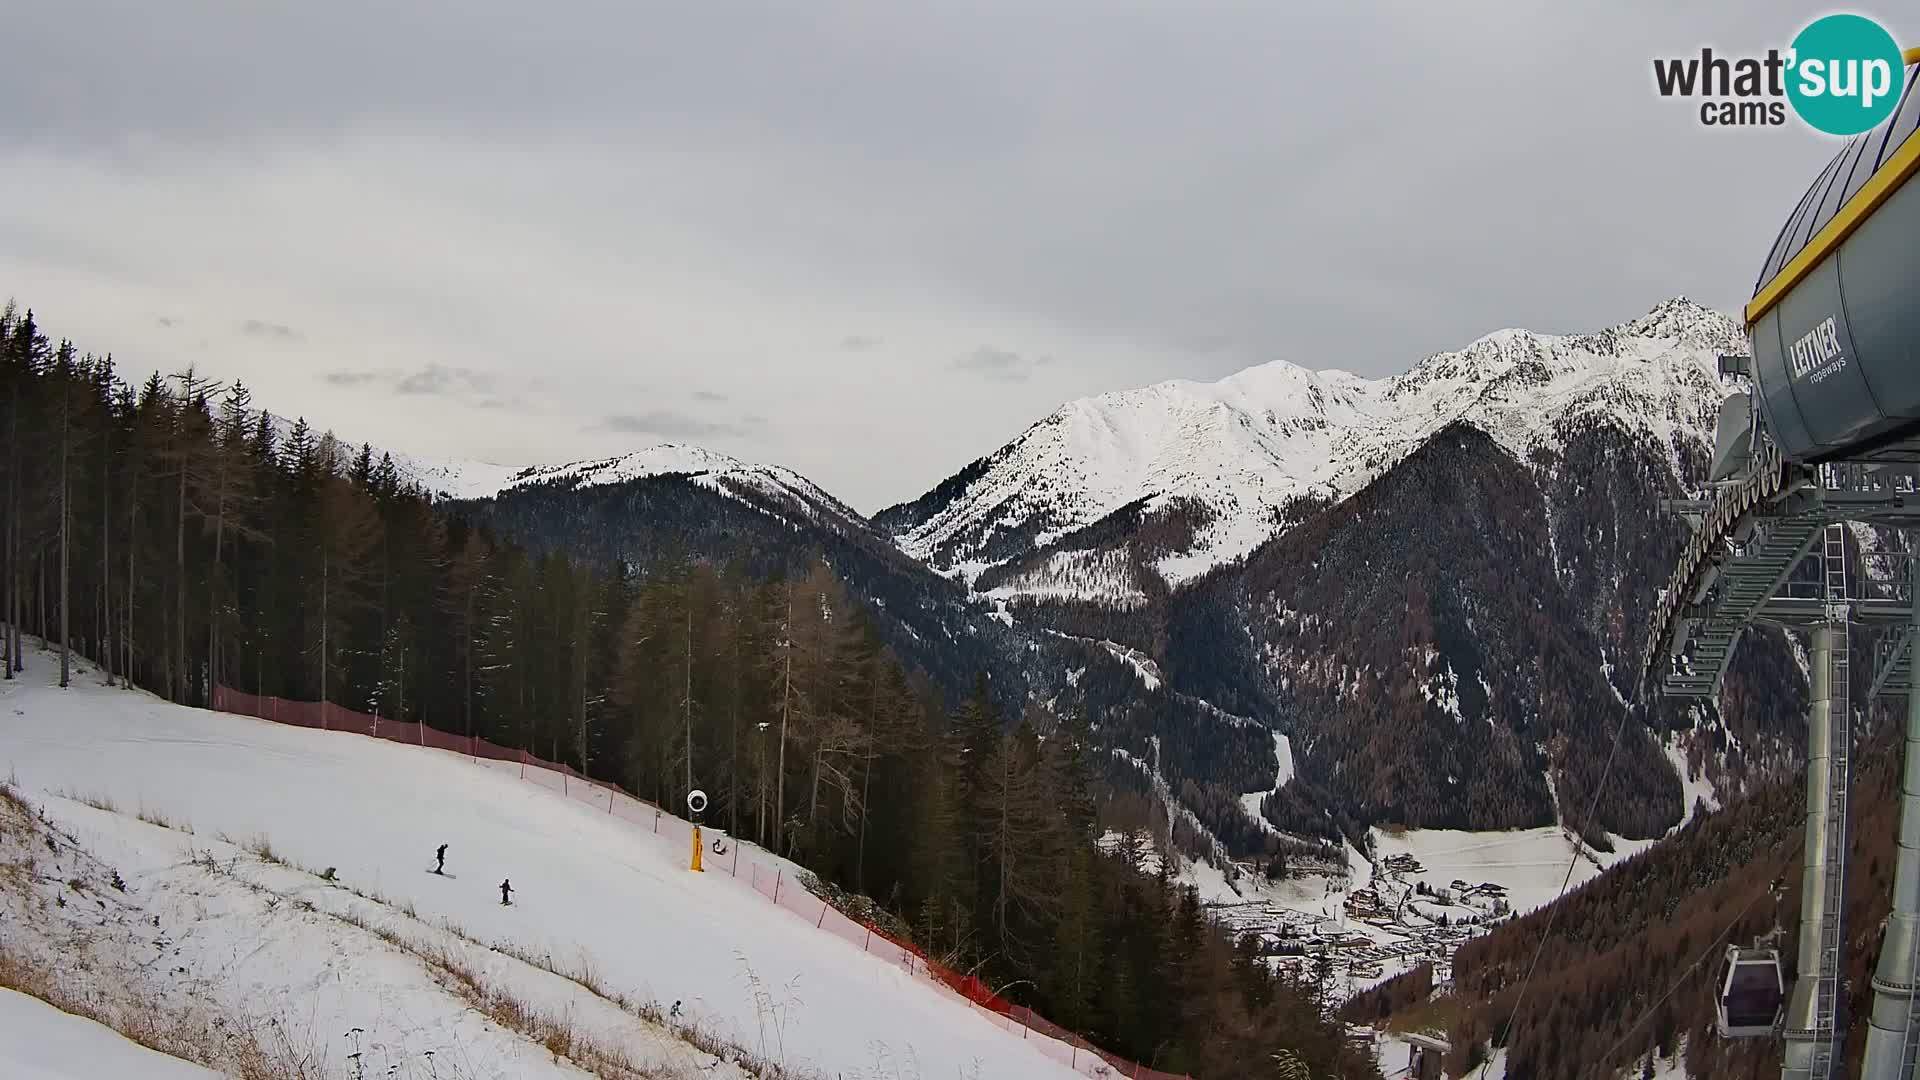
(1825, 432)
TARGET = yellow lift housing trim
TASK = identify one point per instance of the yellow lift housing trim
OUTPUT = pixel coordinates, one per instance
(1891, 175)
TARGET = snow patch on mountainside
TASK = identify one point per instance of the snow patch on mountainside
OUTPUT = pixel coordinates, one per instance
(1103, 575)
(1244, 447)
(1283, 756)
(1693, 788)
(1142, 664)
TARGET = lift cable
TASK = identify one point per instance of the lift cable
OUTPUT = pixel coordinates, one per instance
(1553, 907)
(1785, 860)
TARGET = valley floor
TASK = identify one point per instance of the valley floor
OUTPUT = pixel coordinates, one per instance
(1401, 927)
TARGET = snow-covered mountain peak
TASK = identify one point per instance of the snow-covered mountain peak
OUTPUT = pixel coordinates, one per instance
(1233, 454)
(772, 488)
(661, 459)
(478, 480)
(1682, 320)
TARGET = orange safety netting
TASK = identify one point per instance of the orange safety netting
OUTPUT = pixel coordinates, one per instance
(774, 882)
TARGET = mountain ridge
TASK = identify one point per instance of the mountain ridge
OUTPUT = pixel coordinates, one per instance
(1141, 590)
(1244, 447)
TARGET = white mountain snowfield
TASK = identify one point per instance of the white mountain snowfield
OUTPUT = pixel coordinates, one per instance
(1247, 444)
(1283, 758)
(205, 915)
(768, 485)
(715, 471)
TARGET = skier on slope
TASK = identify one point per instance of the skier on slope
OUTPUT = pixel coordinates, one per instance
(440, 860)
(506, 888)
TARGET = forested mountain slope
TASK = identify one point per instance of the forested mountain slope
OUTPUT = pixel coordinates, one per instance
(180, 543)
(1508, 491)
(1193, 563)
(1626, 973)
(1435, 583)
(1447, 644)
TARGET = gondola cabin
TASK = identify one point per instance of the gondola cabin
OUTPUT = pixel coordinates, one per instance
(1425, 1056)
(1752, 993)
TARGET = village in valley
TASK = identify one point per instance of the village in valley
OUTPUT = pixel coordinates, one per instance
(1369, 922)
(1350, 924)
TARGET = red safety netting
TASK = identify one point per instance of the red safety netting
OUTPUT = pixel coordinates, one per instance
(764, 873)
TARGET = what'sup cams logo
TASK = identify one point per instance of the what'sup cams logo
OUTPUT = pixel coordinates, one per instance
(1842, 75)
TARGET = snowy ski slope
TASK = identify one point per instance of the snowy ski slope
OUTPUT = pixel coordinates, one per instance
(39, 1042)
(588, 887)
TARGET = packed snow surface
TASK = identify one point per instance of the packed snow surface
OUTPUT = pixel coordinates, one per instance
(308, 968)
(1243, 447)
(589, 888)
(39, 1042)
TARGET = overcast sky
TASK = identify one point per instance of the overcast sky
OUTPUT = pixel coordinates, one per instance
(871, 241)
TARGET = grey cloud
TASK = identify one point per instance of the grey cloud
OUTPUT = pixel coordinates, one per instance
(167, 321)
(1066, 188)
(672, 424)
(709, 396)
(1226, 210)
(439, 379)
(1203, 344)
(1002, 365)
(262, 329)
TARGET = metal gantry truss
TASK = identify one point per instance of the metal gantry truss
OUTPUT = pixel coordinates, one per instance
(1751, 536)
(1742, 567)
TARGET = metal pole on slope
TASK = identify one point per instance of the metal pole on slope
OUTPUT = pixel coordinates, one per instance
(1892, 1053)
(1813, 1029)
(1800, 1026)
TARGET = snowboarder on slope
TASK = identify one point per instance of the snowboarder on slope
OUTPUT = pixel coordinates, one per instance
(506, 888)
(440, 860)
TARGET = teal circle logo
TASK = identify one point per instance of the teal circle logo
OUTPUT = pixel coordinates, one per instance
(1845, 74)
